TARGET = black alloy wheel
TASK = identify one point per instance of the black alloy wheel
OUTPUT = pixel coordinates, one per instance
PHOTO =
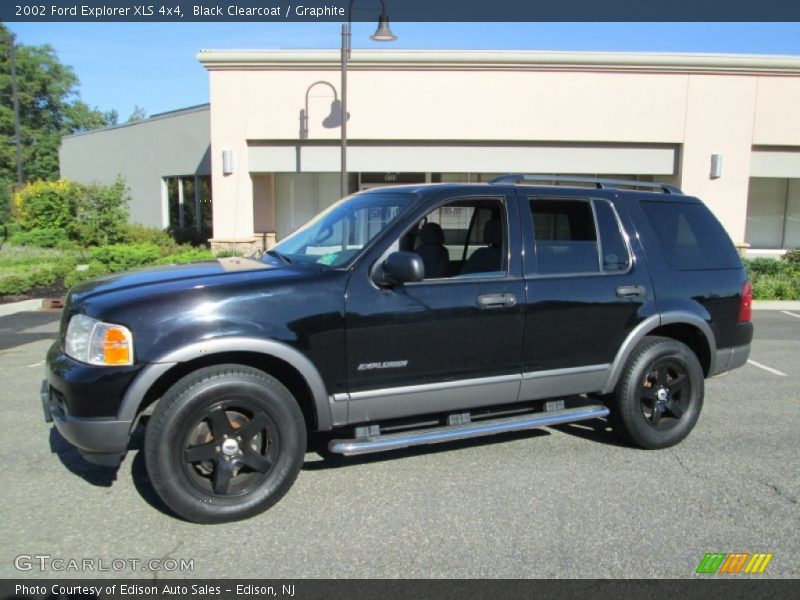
(224, 443)
(659, 395)
(232, 449)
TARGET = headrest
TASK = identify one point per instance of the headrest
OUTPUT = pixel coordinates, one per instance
(493, 232)
(431, 234)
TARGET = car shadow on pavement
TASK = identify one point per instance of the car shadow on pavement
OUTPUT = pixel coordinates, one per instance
(334, 461)
(141, 481)
(72, 460)
(594, 430)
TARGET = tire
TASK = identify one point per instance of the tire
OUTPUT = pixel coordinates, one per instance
(660, 394)
(224, 443)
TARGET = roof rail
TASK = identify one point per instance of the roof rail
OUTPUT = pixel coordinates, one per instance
(600, 184)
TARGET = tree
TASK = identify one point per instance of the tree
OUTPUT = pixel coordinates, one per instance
(49, 107)
(138, 114)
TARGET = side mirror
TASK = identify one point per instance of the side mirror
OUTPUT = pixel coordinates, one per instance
(398, 268)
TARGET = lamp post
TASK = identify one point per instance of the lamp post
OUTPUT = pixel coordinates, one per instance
(382, 34)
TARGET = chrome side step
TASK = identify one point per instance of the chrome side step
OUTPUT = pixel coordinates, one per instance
(435, 435)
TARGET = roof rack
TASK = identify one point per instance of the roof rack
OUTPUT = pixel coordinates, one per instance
(600, 184)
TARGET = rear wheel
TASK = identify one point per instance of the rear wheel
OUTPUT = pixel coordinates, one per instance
(224, 443)
(660, 394)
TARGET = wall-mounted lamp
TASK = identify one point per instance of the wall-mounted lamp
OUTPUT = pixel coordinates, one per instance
(227, 162)
(716, 166)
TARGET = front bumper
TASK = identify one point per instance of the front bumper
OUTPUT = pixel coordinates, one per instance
(91, 392)
(102, 441)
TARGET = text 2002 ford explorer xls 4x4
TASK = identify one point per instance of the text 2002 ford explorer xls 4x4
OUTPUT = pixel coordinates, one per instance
(404, 316)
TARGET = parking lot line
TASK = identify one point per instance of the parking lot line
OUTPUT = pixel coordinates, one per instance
(791, 314)
(766, 368)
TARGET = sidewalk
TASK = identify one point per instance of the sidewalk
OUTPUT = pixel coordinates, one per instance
(17, 307)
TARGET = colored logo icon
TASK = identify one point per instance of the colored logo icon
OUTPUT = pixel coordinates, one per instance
(734, 563)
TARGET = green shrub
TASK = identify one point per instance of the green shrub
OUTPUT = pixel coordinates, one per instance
(774, 279)
(228, 253)
(15, 284)
(766, 266)
(48, 205)
(95, 269)
(102, 213)
(119, 257)
(136, 233)
(93, 215)
(189, 235)
(8, 230)
(792, 256)
(189, 256)
(41, 238)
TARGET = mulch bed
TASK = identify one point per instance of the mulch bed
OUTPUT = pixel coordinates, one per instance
(53, 291)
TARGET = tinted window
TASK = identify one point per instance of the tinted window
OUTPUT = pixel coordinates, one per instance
(464, 238)
(613, 248)
(566, 241)
(692, 239)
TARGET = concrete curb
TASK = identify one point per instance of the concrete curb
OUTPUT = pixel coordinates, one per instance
(776, 304)
(16, 307)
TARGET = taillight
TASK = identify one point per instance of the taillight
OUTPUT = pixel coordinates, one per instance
(746, 304)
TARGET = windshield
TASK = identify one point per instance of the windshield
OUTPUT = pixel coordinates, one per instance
(339, 233)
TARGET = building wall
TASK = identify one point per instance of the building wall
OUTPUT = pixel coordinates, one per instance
(535, 112)
(167, 145)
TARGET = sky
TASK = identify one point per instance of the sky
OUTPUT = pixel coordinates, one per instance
(154, 65)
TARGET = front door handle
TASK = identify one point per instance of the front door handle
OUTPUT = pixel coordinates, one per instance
(629, 291)
(486, 301)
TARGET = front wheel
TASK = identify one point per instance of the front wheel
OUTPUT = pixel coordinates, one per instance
(224, 443)
(660, 394)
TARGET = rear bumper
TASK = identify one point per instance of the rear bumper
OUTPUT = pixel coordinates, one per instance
(731, 358)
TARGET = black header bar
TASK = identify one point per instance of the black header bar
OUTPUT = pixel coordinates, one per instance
(398, 10)
(354, 589)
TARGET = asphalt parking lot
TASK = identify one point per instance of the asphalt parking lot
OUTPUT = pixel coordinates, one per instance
(555, 502)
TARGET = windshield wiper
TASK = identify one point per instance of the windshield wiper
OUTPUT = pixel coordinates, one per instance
(282, 257)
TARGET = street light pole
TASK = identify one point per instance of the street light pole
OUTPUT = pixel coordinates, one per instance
(345, 57)
(382, 34)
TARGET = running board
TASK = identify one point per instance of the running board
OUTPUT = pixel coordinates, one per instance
(393, 441)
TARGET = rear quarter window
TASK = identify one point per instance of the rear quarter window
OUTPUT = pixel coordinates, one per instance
(690, 236)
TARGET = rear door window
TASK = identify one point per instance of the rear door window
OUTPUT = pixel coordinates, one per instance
(690, 236)
(578, 236)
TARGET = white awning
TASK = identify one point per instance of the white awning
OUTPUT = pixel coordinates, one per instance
(427, 158)
(769, 163)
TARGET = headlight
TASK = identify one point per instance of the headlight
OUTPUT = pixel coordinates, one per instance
(97, 343)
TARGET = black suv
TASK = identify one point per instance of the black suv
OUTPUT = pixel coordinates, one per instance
(403, 316)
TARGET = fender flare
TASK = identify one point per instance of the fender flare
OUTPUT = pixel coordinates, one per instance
(152, 372)
(648, 325)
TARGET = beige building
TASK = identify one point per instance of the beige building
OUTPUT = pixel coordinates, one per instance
(466, 115)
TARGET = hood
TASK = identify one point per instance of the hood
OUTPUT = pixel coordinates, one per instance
(167, 274)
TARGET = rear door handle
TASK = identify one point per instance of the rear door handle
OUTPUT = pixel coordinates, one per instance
(497, 301)
(627, 291)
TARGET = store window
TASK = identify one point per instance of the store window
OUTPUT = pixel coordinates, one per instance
(773, 213)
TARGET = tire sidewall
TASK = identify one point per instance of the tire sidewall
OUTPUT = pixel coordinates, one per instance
(164, 445)
(629, 399)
